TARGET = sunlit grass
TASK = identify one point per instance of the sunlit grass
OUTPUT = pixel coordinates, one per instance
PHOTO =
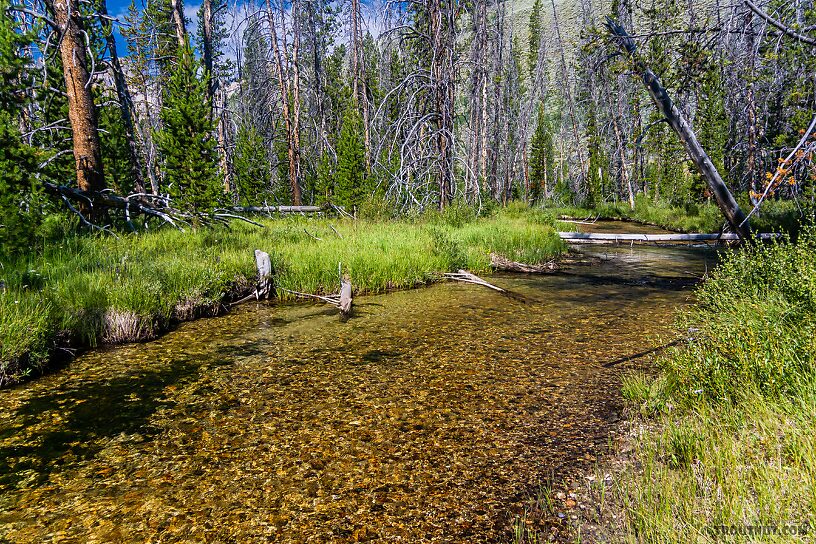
(774, 216)
(726, 436)
(93, 289)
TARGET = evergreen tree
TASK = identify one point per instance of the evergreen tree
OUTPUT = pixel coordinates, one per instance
(18, 213)
(534, 35)
(185, 140)
(350, 189)
(251, 167)
(542, 158)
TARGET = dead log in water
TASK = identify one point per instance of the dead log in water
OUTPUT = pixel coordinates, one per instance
(610, 238)
(467, 277)
(500, 263)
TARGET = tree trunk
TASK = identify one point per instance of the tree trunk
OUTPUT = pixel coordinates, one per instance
(125, 103)
(81, 108)
(178, 21)
(207, 34)
(725, 200)
(443, 90)
(283, 85)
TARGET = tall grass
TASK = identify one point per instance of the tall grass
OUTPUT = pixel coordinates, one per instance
(725, 439)
(90, 289)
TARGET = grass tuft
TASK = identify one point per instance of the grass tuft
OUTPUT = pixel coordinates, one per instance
(732, 444)
(93, 289)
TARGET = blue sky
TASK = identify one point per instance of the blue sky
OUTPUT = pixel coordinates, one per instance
(119, 9)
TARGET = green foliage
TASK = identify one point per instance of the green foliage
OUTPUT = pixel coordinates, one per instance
(185, 140)
(350, 180)
(251, 168)
(755, 324)
(534, 36)
(732, 438)
(101, 289)
(542, 158)
(18, 195)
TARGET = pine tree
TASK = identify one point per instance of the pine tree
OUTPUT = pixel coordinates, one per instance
(17, 160)
(542, 158)
(251, 167)
(350, 189)
(185, 140)
(534, 35)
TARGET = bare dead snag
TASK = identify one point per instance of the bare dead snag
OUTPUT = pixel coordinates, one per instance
(264, 266)
(725, 200)
(345, 297)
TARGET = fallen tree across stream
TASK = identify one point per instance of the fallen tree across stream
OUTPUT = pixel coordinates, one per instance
(609, 238)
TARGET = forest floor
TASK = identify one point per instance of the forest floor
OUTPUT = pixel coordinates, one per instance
(720, 440)
(775, 216)
(90, 290)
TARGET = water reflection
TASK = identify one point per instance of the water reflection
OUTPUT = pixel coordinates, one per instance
(427, 418)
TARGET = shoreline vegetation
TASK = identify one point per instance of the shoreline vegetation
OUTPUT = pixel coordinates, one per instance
(775, 216)
(722, 440)
(89, 290)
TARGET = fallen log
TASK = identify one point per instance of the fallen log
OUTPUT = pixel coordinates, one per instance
(500, 263)
(342, 300)
(598, 237)
(278, 209)
(467, 277)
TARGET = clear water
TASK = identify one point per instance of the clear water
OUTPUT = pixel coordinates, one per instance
(428, 417)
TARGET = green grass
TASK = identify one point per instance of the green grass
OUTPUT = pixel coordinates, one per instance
(89, 290)
(726, 435)
(774, 216)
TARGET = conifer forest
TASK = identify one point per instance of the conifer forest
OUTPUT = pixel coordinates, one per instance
(488, 271)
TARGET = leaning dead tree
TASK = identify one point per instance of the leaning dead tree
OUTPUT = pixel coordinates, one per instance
(674, 117)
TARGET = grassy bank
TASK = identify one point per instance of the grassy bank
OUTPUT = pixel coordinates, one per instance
(89, 290)
(725, 438)
(774, 216)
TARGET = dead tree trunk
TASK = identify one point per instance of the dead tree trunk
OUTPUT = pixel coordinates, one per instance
(125, 102)
(725, 200)
(81, 108)
(207, 35)
(284, 87)
(178, 22)
(345, 297)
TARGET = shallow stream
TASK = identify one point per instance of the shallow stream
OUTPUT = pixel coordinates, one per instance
(428, 417)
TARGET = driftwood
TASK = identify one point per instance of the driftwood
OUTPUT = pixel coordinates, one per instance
(342, 300)
(500, 263)
(596, 237)
(467, 277)
(278, 209)
(725, 200)
(264, 288)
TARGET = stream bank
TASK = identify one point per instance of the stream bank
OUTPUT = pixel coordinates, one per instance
(430, 416)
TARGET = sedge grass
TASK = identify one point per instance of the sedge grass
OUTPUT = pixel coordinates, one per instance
(723, 442)
(91, 289)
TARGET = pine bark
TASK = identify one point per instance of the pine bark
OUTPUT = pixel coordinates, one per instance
(81, 107)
